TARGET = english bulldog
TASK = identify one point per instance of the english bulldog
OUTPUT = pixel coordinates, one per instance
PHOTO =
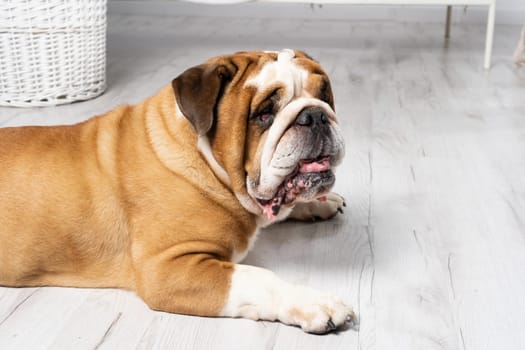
(166, 197)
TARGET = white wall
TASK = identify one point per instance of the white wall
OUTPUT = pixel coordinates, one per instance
(507, 11)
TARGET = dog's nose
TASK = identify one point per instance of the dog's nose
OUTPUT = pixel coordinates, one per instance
(312, 116)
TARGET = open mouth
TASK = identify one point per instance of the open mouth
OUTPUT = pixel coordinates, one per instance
(311, 177)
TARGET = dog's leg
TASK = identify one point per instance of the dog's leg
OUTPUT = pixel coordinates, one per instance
(319, 209)
(258, 294)
(201, 285)
(190, 284)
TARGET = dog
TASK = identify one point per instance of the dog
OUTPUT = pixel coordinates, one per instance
(166, 197)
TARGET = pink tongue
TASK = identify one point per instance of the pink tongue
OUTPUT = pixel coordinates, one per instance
(267, 210)
(317, 166)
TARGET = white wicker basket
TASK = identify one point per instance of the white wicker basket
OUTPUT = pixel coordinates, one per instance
(51, 51)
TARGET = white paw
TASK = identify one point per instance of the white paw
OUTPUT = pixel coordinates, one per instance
(316, 313)
(323, 209)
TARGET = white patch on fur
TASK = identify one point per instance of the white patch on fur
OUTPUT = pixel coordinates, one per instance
(203, 144)
(258, 294)
(283, 71)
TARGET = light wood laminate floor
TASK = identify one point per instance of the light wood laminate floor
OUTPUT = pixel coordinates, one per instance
(431, 247)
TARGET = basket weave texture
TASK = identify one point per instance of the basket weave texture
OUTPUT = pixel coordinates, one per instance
(51, 51)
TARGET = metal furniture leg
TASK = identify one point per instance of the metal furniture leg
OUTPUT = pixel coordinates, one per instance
(447, 23)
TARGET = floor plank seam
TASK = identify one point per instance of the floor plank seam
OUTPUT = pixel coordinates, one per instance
(108, 331)
(450, 276)
(17, 306)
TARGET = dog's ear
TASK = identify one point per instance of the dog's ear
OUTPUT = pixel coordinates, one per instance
(198, 91)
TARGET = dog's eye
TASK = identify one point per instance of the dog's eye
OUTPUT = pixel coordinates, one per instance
(265, 116)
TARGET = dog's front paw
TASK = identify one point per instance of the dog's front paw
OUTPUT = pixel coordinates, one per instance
(323, 208)
(318, 314)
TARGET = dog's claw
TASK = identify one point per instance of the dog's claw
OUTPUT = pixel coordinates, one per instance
(330, 325)
(340, 210)
(352, 322)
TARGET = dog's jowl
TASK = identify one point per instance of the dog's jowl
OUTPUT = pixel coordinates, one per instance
(166, 197)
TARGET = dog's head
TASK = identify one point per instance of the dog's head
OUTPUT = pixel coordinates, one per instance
(266, 124)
